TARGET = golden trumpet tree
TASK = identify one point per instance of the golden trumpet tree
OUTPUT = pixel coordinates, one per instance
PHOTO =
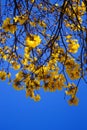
(45, 42)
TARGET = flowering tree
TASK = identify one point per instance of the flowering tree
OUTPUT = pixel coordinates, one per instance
(45, 42)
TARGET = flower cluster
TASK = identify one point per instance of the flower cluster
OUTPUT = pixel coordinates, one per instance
(32, 40)
(8, 27)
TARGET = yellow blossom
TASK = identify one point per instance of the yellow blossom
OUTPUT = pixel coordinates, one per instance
(33, 24)
(42, 23)
(29, 93)
(17, 87)
(72, 91)
(33, 40)
(8, 27)
(6, 22)
(73, 48)
(73, 101)
(37, 97)
(21, 19)
(12, 28)
(8, 75)
(2, 75)
(32, 1)
(19, 75)
(24, 61)
(73, 71)
(69, 36)
(4, 56)
(15, 65)
(45, 8)
(83, 7)
(73, 45)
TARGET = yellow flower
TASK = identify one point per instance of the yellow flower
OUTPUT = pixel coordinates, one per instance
(45, 8)
(73, 74)
(19, 75)
(42, 23)
(6, 22)
(73, 101)
(21, 19)
(4, 57)
(8, 75)
(37, 98)
(46, 87)
(17, 87)
(73, 46)
(24, 61)
(33, 24)
(33, 40)
(69, 63)
(73, 70)
(16, 19)
(12, 28)
(59, 87)
(8, 27)
(83, 7)
(71, 91)
(2, 75)
(69, 36)
(30, 93)
(15, 65)
(32, 1)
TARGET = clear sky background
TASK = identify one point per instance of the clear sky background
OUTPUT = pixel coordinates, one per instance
(51, 113)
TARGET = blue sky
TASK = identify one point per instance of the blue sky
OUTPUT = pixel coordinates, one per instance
(52, 113)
